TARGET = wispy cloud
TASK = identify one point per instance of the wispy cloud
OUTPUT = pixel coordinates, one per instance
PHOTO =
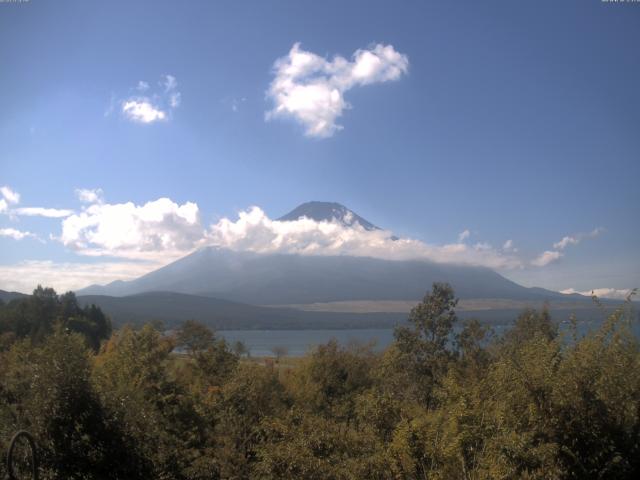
(613, 293)
(11, 197)
(7, 197)
(42, 212)
(508, 246)
(552, 256)
(463, 236)
(170, 89)
(546, 258)
(150, 107)
(576, 238)
(310, 88)
(16, 234)
(87, 195)
(236, 102)
(26, 275)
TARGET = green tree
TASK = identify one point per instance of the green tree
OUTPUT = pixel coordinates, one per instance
(328, 381)
(423, 346)
(47, 390)
(132, 376)
(251, 395)
(35, 317)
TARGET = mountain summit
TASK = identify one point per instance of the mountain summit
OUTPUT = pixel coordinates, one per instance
(328, 211)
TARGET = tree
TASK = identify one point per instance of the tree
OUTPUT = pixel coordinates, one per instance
(48, 388)
(132, 376)
(38, 315)
(194, 337)
(252, 394)
(529, 324)
(423, 347)
(211, 360)
(279, 351)
(240, 349)
(328, 381)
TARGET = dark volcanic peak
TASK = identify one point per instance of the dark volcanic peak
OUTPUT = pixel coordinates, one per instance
(328, 211)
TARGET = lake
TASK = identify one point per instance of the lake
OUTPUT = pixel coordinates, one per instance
(298, 342)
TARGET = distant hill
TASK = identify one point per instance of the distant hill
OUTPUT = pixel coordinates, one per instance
(8, 296)
(174, 308)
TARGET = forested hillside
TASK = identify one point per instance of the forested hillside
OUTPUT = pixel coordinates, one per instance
(435, 405)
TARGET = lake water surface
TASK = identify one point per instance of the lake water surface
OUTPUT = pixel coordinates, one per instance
(298, 342)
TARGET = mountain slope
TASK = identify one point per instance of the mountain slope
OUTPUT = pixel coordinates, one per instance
(293, 279)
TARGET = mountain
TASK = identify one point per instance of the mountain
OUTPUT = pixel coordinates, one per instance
(285, 279)
(328, 211)
(261, 279)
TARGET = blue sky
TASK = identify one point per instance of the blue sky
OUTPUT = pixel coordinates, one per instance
(512, 120)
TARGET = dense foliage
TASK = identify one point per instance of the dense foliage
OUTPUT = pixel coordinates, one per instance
(440, 403)
(38, 315)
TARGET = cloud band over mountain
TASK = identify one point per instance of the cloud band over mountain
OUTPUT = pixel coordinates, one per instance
(161, 231)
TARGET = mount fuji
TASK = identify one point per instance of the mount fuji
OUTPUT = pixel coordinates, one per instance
(284, 279)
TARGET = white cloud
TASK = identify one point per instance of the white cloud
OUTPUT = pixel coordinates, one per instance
(42, 212)
(463, 236)
(310, 88)
(142, 110)
(16, 234)
(162, 231)
(25, 276)
(545, 258)
(613, 293)
(154, 107)
(157, 230)
(551, 256)
(255, 231)
(576, 239)
(566, 241)
(86, 195)
(10, 196)
(509, 247)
